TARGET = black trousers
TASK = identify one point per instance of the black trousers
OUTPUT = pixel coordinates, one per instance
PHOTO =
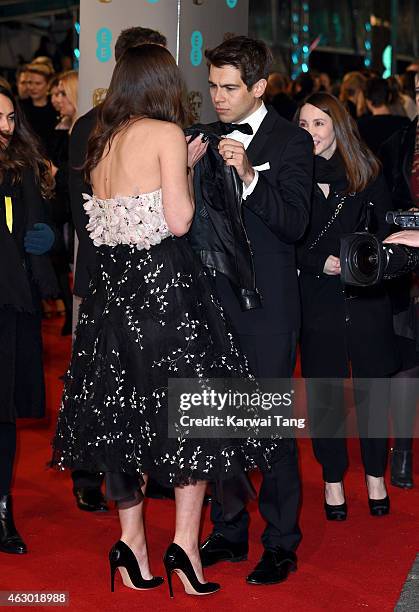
(21, 367)
(404, 397)
(7, 456)
(279, 496)
(328, 424)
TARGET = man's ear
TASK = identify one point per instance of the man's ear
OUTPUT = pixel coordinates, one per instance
(259, 88)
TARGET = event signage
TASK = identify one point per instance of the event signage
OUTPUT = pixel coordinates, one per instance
(190, 26)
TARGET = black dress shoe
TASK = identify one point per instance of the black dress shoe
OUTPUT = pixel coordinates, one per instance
(401, 469)
(10, 540)
(217, 548)
(90, 499)
(379, 507)
(274, 567)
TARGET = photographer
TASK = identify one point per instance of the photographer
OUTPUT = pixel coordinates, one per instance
(400, 155)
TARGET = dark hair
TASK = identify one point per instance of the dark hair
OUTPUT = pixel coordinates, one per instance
(146, 82)
(377, 92)
(360, 164)
(132, 37)
(408, 83)
(24, 151)
(306, 83)
(20, 69)
(54, 82)
(252, 57)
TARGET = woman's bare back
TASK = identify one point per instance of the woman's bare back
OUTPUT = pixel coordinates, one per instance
(146, 156)
(132, 165)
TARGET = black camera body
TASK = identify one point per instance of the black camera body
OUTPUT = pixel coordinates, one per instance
(406, 219)
(366, 261)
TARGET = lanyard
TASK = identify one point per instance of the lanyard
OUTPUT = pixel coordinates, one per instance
(9, 212)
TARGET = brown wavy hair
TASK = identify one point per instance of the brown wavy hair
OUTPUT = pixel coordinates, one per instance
(24, 151)
(361, 165)
(146, 82)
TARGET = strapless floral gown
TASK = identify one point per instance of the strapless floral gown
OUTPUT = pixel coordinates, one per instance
(151, 314)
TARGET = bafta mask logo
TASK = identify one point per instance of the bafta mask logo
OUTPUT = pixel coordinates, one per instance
(99, 95)
(195, 100)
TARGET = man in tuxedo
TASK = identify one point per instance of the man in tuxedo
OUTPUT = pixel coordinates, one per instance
(86, 485)
(274, 162)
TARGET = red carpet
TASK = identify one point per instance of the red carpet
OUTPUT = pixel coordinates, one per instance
(360, 564)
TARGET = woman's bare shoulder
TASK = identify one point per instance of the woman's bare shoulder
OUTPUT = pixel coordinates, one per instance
(156, 126)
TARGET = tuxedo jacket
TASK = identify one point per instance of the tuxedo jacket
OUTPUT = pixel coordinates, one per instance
(86, 254)
(276, 216)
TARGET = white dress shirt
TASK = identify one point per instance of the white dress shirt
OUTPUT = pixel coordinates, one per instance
(254, 120)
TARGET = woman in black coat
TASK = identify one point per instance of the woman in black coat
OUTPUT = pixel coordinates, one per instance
(26, 275)
(346, 331)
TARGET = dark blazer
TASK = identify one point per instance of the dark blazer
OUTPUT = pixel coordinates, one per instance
(397, 157)
(86, 255)
(344, 327)
(275, 215)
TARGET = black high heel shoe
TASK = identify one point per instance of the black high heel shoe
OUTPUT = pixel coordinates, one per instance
(379, 507)
(336, 513)
(122, 556)
(176, 560)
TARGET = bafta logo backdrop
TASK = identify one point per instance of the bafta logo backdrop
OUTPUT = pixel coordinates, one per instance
(191, 26)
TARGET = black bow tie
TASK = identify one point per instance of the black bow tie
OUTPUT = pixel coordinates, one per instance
(227, 128)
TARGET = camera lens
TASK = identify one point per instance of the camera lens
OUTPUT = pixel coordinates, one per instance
(362, 259)
(366, 259)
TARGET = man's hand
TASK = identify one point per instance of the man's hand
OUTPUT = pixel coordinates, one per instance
(234, 154)
(408, 237)
(332, 266)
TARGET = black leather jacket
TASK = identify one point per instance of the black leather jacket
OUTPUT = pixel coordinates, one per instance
(217, 233)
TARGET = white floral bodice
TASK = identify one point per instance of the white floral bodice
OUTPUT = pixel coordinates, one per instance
(136, 220)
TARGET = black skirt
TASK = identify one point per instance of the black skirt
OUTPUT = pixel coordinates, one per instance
(150, 316)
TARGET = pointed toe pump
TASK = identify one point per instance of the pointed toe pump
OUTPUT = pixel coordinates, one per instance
(122, 557)
(176, 560)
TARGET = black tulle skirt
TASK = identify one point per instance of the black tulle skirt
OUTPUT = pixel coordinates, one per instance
(150, 316)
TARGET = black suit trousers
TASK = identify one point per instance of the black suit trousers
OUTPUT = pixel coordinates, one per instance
(270, 356)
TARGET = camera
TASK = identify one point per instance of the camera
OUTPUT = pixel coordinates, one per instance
(366, 261)
(406, 219)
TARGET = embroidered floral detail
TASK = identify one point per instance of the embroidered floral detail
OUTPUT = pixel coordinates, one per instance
(136, 220)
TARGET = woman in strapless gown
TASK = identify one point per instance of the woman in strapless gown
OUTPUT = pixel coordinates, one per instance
(151, 315)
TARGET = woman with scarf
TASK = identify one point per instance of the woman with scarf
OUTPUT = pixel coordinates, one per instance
(346, 331)
(26, 275)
